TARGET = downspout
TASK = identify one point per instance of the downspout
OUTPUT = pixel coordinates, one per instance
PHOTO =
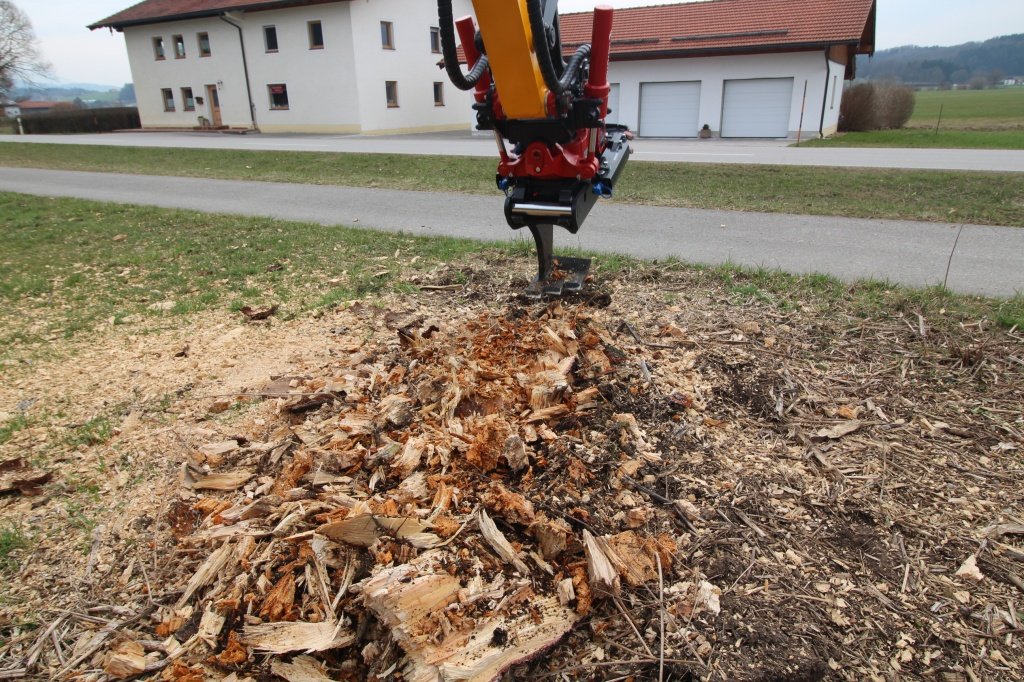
(824, 97)
(245, 68)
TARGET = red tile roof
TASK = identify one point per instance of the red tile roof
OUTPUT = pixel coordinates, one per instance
(155, 11)
(717, 26)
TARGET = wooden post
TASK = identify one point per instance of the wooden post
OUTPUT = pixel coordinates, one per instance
(803, 104)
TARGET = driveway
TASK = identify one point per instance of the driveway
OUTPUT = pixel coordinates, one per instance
(986, 260)
(776, 152)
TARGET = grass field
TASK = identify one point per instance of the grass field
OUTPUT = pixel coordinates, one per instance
(70, 267)
(940, 196)
(1001, 108)
(971, 119)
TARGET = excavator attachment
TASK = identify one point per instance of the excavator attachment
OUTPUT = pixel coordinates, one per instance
(557, 156)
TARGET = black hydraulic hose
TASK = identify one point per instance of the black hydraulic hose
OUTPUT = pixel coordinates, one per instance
(450, 52)
(547, 67)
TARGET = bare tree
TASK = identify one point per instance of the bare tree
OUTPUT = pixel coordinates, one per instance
(20, 58)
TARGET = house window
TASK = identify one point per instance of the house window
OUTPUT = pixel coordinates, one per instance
(204, 44)
(278, 95)
(168, 97)
(834, 83)
(270, 38)
(188, 101)
(435, 40)
(438, 94)
(158, 48)
(179, 47)
(387, 35)
(391, 89)
(316, 35)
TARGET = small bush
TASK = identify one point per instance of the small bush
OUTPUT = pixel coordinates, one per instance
(875, 106)
(81, 121)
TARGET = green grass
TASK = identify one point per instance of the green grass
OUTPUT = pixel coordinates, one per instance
(977, 197)
(927, 138)
(71, 266)
(1000, 108)
(971, 119)
(11, 539)
(12, 426)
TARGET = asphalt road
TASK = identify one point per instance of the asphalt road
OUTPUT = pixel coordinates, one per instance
(987, 260)
(778, 152)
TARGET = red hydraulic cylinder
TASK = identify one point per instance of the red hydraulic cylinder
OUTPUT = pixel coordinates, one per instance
(600, 47)
(467, 34)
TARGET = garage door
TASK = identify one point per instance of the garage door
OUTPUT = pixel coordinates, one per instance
(613, 105)
(669, 109)
(757, 108)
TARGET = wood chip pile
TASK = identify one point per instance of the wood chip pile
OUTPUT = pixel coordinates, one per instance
(570, 490)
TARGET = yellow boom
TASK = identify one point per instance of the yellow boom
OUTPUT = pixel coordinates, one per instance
(505, 27)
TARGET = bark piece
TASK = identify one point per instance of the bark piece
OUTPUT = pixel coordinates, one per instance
(17, 475)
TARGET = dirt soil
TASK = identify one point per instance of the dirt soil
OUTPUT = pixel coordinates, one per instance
(658, 479)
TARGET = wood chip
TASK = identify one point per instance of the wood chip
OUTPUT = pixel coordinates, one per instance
(283, 638)
(499, 543)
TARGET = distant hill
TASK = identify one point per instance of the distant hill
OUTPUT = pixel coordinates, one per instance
(997, 57)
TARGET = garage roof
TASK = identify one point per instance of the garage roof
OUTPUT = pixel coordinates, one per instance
(156, 11)
(720, 26)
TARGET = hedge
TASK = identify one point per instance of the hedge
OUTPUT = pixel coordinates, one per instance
(81, 121)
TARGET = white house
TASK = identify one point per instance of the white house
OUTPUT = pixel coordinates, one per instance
(744, 68)
(349, 66)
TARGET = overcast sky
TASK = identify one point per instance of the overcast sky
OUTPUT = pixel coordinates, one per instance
(79, 55)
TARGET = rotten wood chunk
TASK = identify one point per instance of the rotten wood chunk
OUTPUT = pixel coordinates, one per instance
(554, 536)
(283, 638)
(635, 558)
(509, 505)
(421, 604)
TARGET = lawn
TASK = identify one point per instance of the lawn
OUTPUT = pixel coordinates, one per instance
(1000, 108)
(939, 196)
(71, 267)
(970, 119)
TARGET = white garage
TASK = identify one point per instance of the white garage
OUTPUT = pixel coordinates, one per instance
(669, 109)
(757, 107)
(735, 68)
